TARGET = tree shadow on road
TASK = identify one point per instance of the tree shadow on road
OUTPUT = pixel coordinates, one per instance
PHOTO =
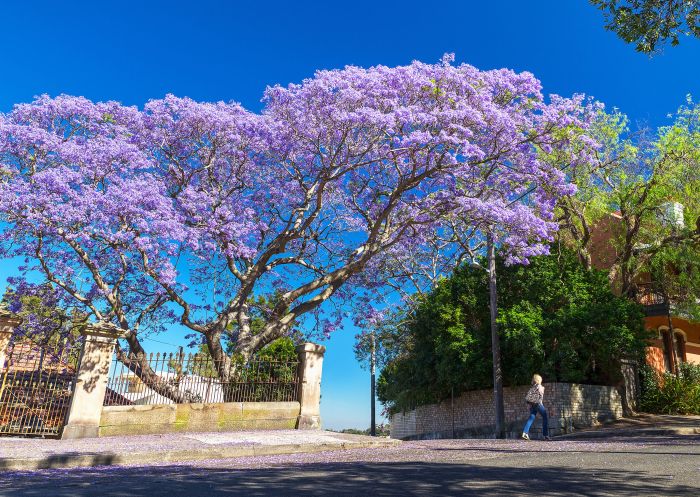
(559, 446)
(338, 480)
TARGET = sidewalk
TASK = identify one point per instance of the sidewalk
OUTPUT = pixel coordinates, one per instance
(33, 453)
(641, 425)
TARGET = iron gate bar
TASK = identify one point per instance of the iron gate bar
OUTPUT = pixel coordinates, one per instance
(195, 378)
(36, 389)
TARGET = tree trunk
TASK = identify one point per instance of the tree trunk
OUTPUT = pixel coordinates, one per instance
(137, 362)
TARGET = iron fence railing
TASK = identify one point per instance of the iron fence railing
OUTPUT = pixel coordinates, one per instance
(175, 378)
(652, 298)
(36, 386)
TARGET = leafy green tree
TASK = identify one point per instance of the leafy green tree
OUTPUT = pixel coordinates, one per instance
(650, 23)
(555, 317)
(43, 321)
(281, 350)
(639, 177)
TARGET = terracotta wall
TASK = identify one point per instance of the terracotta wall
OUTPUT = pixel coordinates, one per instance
(655, 357)
(690, 330)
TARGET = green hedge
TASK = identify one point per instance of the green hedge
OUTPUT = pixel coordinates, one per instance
(555, 318)
(671, 394)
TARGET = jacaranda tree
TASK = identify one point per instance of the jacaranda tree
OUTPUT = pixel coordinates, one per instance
(191, 212)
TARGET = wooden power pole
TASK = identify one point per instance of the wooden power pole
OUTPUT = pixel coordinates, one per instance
(372, 361)
(495, 343)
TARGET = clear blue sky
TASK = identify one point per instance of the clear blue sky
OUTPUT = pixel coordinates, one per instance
(217, 50)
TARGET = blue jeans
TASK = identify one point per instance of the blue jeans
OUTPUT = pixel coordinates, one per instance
(534, 409)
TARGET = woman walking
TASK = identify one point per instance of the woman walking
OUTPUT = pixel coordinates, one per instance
(534, 399)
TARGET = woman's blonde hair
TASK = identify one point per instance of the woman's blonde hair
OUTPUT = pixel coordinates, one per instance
(537, 379)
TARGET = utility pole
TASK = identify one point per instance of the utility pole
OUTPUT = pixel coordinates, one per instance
(495, 343)
(452, 406)
(372, 361)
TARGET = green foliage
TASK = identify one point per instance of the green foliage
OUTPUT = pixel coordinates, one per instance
(555, 318)
(649, 23)
(43, 320)
(676, 270)
(271, 360)
(259, 315)
(671, 394)
(639, 177)
(201, 364)
(382, 430)
(282, 349)
(268, 376)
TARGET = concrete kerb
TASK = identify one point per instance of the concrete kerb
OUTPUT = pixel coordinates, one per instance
(627, 433)
(85, 460)
(641, 425)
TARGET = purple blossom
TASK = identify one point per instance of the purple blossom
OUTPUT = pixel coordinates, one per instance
(186, 210)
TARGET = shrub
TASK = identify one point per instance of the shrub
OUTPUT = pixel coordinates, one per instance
(555, 317)
(671, 394)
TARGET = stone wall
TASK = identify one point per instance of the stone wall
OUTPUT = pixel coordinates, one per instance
(89, 417)
(169, 418)
(569, 405)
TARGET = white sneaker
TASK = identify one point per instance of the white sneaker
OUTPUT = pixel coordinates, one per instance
(525, 436)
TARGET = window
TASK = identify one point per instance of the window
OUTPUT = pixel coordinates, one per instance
(678, 346)
(667, 349)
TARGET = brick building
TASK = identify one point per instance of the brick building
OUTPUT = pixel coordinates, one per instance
(664, 350)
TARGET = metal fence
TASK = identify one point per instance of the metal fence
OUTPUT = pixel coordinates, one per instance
(652, 298)
(176, 378)
(36, 386)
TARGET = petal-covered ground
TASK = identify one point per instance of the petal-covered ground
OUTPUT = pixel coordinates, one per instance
(615, 466)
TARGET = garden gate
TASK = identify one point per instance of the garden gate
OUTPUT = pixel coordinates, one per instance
(36, 387)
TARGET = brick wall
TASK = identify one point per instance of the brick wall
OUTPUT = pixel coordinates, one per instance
(569, 405)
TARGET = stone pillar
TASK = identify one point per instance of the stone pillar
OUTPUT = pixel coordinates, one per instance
(8, 323)
(91, 383)
(310, 367)
(630, 386)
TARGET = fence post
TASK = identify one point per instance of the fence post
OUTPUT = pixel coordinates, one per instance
(8, 323)
(310, 367)
(91, 383)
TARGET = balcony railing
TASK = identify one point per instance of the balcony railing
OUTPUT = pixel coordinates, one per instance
(652, 298)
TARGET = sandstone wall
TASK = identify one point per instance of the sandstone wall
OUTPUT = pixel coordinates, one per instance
(170, 418)
(569, 406)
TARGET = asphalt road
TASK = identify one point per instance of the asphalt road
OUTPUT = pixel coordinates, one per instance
(637, 466)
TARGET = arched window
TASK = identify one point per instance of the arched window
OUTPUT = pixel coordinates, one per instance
(677, 345)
